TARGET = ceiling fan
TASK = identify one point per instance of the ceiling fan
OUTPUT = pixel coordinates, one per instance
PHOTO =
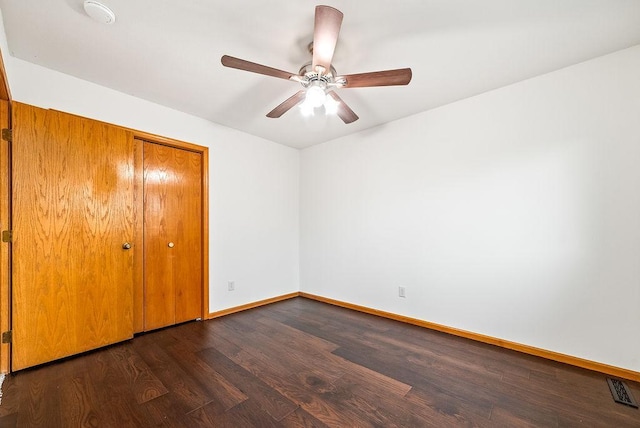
(318, 77)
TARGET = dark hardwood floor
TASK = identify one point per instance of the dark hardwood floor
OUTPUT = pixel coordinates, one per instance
(301, 363)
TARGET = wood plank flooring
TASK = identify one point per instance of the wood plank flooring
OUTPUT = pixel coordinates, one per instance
(302, 363)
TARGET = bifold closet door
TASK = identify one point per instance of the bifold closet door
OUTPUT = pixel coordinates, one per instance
(172, 235)
(73, 213)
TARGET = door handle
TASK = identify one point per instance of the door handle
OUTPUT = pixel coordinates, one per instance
(126, 246)
(170, 245)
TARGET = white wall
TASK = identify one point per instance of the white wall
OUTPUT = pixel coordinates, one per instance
(253, 201)
(514, 214)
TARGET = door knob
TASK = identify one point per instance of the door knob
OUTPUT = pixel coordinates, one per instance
(170, 245)
(126, 246)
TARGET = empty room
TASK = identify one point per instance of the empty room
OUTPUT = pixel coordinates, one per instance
(302, 214)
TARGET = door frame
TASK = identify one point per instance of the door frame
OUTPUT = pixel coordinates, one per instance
(5, 247)
(5, 219)
(138, 263)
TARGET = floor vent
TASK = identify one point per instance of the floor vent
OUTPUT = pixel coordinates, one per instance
(621, 393)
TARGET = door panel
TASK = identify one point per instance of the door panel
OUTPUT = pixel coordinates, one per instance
(172, 235)
(73, 208)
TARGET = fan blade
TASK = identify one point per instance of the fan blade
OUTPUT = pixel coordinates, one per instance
(325, 35)
(241, 64)
(401, 76)
(287, 105)
(344, 112)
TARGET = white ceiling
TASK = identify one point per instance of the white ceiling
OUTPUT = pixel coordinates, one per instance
(168, 51)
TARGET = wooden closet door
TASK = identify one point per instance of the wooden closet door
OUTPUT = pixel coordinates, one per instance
(73, 202)
(172, 235)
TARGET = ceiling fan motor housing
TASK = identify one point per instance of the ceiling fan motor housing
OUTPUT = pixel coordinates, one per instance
(310, 76)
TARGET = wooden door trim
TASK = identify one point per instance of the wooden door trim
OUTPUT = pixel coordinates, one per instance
(5, 219)
(204, 152)
(165, 141)
(138, 227)
(5, 251)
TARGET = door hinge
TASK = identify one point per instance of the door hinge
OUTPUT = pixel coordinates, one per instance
(7, 236)
(7, 135)
(6, 336)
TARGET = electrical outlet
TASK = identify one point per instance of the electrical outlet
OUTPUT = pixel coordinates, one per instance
(401, 292)
(231, 285)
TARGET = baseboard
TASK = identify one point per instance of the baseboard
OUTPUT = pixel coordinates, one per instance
(252, 305)
(526, 349)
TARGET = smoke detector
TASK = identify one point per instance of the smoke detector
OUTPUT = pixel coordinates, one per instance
(99, 12)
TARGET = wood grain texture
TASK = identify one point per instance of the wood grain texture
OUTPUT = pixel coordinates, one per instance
(554, 356)
(326, 29)
(204, 152)
(287, 105)
(143, 383)
(242, 64)
(141, 136)
(73, 208)
(172, 235)
(344, 111)
(304, 363)
(5, 224)
(401, 76)
(138, 240)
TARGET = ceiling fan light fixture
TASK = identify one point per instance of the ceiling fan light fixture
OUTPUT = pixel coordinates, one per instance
(306, 110)
(318, 77)
(331, 106)
(316, 95)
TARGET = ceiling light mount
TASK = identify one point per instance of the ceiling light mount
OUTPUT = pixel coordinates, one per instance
(307, 76)
(99, 12)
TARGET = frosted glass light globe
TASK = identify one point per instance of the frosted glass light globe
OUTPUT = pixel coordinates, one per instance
(315, 96)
